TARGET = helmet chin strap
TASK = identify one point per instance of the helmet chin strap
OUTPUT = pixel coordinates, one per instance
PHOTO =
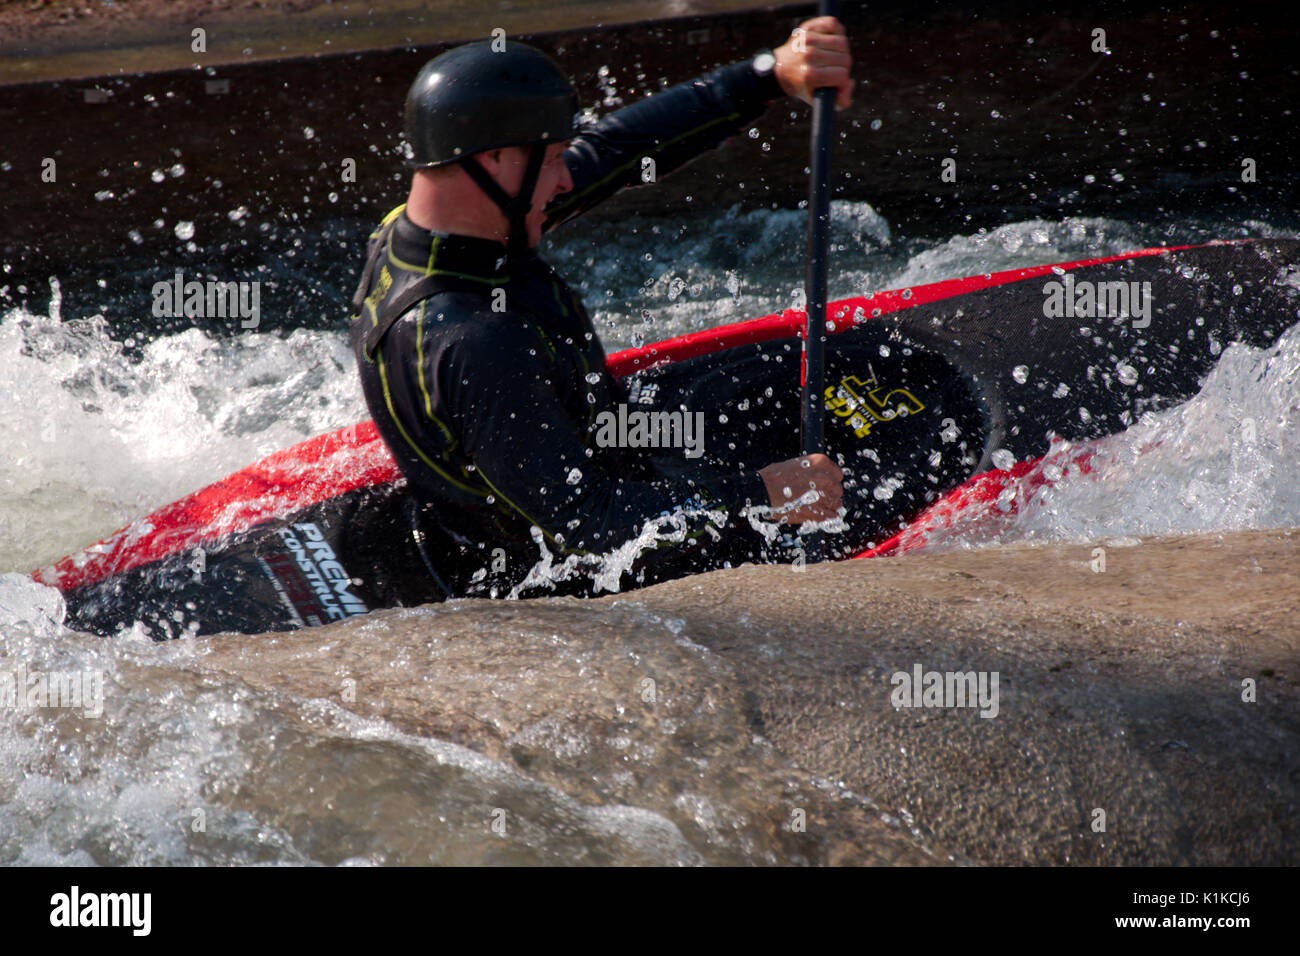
(515, 208)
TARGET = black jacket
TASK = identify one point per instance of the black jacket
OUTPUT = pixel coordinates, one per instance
(491, 414)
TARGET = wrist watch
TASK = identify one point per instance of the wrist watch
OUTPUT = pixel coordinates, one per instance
(764, 67)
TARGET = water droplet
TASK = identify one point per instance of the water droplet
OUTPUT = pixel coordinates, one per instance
(184, 230)
(157, 175)
(1003, 459)
(593, 378)
(884, 351)
(907, 293)
(177, 170)
(308, 132)
(1127, 374)
(1020, 373)
(733, 284)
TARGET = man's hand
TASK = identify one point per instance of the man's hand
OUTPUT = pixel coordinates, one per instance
(815, 56)
(787, 481)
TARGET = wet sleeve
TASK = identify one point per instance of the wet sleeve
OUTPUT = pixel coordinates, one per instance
(671, 128)
(531, 453)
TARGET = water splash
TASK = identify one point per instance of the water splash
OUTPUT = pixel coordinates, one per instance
(1223, 461)
(91, 438)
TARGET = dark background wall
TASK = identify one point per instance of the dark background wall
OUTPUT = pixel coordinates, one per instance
(1039, 125)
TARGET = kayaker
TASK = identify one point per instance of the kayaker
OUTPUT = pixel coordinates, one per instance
(480, 365)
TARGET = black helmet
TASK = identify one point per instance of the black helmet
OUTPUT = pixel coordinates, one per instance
(472, 99)
(479, 97)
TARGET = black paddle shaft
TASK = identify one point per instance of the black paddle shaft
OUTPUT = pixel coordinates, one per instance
(816, 276)
(819, 227)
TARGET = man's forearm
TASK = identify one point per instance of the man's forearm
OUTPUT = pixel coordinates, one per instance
(668, 129)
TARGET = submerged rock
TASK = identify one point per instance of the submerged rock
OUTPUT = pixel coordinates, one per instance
(1145, 714)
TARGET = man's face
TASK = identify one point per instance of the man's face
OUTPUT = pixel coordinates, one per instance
(554, 179)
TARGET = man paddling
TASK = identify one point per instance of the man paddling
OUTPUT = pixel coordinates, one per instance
(480, 365)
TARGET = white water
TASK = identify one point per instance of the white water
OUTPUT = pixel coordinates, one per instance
(90, 439)
(1227, 460)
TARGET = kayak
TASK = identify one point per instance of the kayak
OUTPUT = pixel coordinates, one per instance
(936, 397)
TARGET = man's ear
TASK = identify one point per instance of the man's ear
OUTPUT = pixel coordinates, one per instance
(495, 161)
